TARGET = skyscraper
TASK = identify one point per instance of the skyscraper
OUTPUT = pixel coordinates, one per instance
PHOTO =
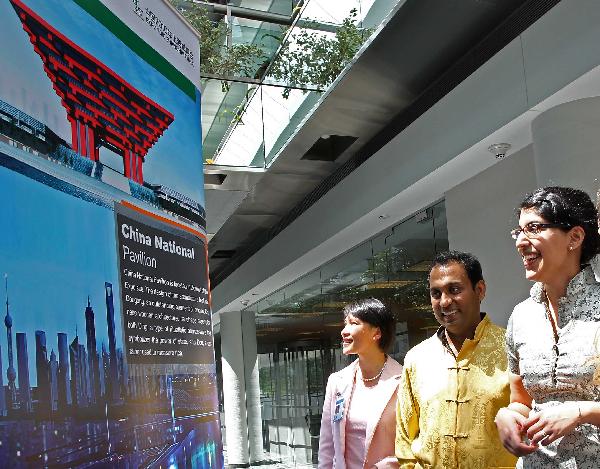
(105, 370)
(79, 381)
(85, 376)
(2, 391)
(11, 374)
(42, 367)
(23, 367)
(53, 382)
(101, 367)
(92, 353)
(114, 386)
(63, 384)
(122, 369)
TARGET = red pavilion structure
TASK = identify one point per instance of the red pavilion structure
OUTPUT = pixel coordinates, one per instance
(103, 109)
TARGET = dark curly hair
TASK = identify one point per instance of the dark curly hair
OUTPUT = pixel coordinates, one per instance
(375, 313)
(569, 207)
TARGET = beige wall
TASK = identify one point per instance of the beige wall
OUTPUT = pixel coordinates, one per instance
(480, 215)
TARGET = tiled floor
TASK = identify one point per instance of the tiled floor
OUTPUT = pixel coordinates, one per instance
(277, 464)
(286, 465)
(273, 462)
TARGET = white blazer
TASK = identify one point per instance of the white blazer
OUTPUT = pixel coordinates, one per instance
(381, 427)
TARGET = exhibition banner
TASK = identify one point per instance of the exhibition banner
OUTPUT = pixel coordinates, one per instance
(106, 354)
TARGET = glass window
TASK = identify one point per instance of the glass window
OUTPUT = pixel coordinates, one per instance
(298, 327)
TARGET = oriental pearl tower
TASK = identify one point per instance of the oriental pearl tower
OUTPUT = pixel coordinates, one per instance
(11, 374)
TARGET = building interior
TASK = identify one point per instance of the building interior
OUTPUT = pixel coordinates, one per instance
(344, 143)
(426, 140)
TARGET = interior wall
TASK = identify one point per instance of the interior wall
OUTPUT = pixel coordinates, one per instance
(565, 145)
(480, 213)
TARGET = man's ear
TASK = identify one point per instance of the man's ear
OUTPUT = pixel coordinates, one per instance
(480, 289)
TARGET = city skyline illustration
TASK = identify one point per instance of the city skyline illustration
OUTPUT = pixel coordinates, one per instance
(79, 372)
(57, 255)
(58, 249)
(93, 317)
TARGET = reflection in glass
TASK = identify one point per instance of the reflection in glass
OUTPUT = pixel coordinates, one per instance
(298, 327)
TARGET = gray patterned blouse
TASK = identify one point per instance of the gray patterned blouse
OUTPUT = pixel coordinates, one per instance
(567, 370)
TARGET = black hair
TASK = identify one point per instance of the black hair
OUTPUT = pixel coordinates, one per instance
(469, 262)
(375, 313)
(569, 207)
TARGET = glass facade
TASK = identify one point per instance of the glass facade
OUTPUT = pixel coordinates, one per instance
(298, 327)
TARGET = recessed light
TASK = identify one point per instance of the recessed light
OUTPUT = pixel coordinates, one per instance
(499, 149)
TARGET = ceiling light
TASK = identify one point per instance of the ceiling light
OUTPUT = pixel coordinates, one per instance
(499, 149)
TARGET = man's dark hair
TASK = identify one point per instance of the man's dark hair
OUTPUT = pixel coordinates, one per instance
(469, 262)
(375, 313)
(569, 207)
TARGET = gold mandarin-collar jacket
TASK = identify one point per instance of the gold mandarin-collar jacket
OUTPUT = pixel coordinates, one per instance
(447, 405)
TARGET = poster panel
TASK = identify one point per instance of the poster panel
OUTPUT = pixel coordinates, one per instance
(106, 348)
(164, 292)
(102, 100)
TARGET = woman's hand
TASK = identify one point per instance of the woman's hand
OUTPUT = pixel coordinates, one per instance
(550, 424)
(510, 428)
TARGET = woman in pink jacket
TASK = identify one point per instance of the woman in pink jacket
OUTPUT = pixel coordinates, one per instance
(358, 425)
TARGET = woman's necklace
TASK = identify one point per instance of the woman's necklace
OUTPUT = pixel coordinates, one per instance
(377, 376)
(550, 316)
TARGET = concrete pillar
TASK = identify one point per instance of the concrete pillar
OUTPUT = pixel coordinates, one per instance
(241, 391)
(252, 388)
(566, 145)
(234, 389)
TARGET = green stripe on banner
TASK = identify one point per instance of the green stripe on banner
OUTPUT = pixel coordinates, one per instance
(138, 45)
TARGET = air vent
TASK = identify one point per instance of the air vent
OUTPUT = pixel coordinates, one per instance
(223, 254)
(215, 179)
(328, 148)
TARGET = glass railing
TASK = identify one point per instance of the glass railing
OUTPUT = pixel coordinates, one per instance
(261, 78)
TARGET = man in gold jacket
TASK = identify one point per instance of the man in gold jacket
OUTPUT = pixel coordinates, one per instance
(454, 382)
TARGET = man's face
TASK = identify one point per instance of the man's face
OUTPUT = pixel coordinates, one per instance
(454, 301)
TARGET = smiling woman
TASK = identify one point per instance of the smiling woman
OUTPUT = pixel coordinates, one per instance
(358, 422)
(553, 337)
